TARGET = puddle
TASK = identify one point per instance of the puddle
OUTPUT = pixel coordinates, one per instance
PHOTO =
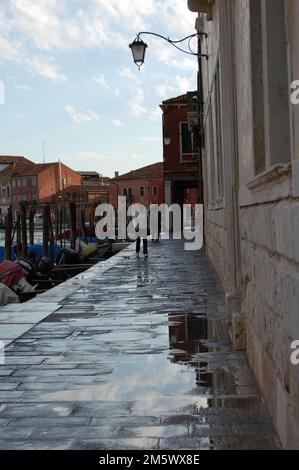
(190, 333)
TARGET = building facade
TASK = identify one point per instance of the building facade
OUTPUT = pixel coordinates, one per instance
(39, 182)
(180, 154)
(95, 187)
(142, 186)
(251, 174)
(9, 166)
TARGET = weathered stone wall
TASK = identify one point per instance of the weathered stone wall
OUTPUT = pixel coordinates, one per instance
(270, 261)
(216, 236)
(269, 229)
(267, 213)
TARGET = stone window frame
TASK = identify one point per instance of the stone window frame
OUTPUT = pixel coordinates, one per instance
(269, 165)
(213, 123)
(271, 101)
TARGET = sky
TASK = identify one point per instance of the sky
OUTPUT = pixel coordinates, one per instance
(70, 81)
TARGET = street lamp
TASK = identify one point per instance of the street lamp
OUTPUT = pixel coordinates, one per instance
(138, 46)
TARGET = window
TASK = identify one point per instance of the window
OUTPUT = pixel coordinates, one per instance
(19, 182)
(155, 190)
(14, 198)
(3, 192)
(186, 139)
(257, 85)
(8, 191)
(34, 180)
(276, 83)
(125, 192)
(24, 182)
(13, 182)
(130, 194)
(141, 191)
(218, 130)
(214, 143)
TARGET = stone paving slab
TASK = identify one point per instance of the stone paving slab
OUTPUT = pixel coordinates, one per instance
(136, 355)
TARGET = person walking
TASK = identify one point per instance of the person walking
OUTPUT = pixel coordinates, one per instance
(145, 246)
(144, 239)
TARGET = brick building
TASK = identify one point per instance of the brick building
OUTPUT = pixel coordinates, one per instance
(181, 162)
(144, 186)
(37, 183)
(9, 166)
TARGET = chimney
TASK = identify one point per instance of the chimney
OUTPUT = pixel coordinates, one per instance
(116, 174)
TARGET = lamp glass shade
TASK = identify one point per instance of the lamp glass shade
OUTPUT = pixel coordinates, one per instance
(138, 48)
(167, 140)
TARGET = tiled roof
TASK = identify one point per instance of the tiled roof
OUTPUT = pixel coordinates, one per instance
(147, 172)
(177, 99)
(13, 164)
(38, 168)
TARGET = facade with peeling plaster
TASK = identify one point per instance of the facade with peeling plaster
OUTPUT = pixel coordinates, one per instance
(251, 174)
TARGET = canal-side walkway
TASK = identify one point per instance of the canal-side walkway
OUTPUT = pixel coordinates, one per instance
(133, 354)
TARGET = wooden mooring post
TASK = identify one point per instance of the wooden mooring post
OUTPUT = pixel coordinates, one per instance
(45, 231)
(18, 233)
(23, 212)
(8, 233)
(73, 219)
(51, 235)
(31, 226)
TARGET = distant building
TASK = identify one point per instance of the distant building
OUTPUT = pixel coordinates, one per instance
(180, 153)
(9, 166)
(95, 186)
(39, 182)
(144, 186)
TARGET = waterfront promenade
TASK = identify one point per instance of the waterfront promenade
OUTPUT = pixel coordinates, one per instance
(132, 354)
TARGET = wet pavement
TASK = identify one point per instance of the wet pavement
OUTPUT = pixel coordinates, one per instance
(137, 357)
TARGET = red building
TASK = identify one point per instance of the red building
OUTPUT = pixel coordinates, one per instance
(181, 158)
(144, 186)
(37, 183)
(9, 166)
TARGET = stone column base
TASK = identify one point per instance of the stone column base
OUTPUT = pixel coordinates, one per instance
(236, 321)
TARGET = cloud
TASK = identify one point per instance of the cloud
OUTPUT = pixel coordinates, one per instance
(23, 87)
(78, 116)
(85, 157)
(179, 84)
(125, 72)
(9, 50)
(100, 80)
(117, 123)
(46, 69)
(136, 104)
(155, 115)
(134, 156)
(59, 25)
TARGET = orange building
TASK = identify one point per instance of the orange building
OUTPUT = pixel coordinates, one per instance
(38, 182)
(144, 186)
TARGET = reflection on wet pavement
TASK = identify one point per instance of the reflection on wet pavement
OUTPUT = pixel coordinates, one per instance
(137, 358)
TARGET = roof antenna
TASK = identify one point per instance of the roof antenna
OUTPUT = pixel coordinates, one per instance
(43, 147)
